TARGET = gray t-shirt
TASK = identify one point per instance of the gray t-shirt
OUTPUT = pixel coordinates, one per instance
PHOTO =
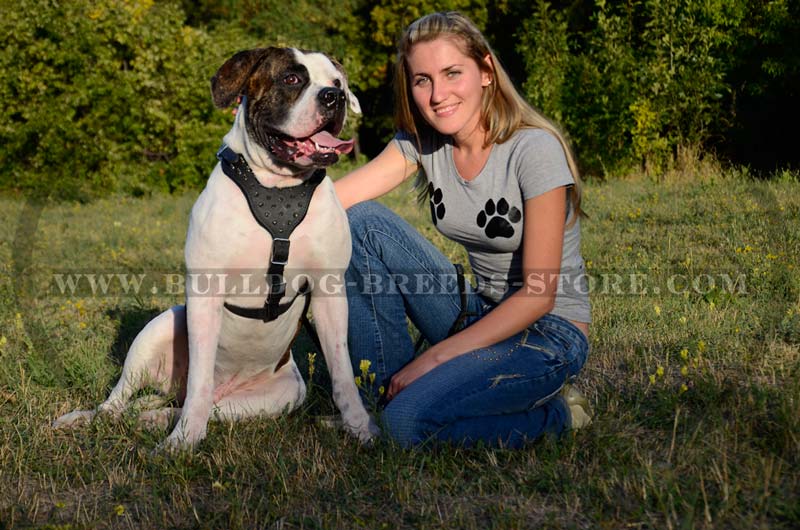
(485, 214)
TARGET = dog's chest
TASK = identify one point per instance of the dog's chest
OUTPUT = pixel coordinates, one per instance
(224, 234)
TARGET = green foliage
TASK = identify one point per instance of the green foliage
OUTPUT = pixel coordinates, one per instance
(102, 96)
(95, 91)
(642, 79)
(390, 17)
(543, 44)
(648, 143)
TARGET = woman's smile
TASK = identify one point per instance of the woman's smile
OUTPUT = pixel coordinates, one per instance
(444, 112)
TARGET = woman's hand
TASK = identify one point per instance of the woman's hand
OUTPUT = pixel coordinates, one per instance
(420, 366)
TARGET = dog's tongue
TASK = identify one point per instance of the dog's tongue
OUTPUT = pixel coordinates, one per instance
(326, 139)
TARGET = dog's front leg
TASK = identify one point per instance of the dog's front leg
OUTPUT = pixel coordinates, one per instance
(330, 320)
(204, 319)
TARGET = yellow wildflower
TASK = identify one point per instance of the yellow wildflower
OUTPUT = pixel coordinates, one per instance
(312, 357)
(701, 346)
(683, 320)
(684, 370)
(684, 354)
(660, 371)
(119, 509)
(364, 366)
(358, 380)
(684, 388)
(381, 390)
(657, 309)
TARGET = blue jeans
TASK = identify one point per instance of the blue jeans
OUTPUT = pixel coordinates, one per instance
(501, 395)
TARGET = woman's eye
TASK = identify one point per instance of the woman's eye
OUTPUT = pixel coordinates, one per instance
(453, 73)
(291, 79)
(420, 81)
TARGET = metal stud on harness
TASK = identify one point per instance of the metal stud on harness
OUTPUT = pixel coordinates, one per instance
(279, 211)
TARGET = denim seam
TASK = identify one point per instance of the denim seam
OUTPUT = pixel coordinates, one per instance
(575, 344)
(511, 382)
(379, 354)
(573, 332)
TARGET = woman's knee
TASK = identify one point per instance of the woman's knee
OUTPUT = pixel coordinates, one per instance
(366, 215)
(404, 425)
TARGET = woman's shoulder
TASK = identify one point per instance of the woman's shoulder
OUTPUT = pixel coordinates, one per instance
(533, 138)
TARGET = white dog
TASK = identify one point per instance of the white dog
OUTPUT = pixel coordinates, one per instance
(226, 351)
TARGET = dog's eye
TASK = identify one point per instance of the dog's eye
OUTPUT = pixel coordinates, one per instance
(291, 79)
(337, 83)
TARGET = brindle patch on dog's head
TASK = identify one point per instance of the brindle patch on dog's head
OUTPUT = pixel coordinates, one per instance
(252, 73)
(289, 102)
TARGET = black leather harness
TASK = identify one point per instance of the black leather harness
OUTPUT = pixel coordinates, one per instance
(279, 211)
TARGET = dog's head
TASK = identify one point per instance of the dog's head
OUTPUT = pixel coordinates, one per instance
(295, 103)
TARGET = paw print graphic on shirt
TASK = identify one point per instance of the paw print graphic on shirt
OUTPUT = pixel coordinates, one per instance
(499, 221)
(437, 203)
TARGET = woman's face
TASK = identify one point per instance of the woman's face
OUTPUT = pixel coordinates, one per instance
(446, 86)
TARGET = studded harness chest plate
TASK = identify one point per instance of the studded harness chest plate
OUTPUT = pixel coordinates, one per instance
(279, 211)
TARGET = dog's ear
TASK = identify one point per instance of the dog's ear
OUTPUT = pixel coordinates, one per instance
(352, 100)
(229, 81)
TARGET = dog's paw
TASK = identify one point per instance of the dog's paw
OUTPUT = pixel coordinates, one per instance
(180, 440)
(366, 432)
(173, 445)
(73, 419)
(159, 419)
(373, 429)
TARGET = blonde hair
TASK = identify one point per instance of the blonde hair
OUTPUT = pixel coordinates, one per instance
(503, 110)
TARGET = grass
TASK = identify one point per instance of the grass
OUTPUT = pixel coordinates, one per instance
(695, 388)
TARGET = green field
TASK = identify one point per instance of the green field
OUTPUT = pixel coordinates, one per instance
(693, 376)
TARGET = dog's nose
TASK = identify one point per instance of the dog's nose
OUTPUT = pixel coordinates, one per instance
(331, 96)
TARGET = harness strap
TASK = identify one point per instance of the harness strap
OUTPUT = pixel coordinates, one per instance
(279, 211)
(268, 313)
(458, 323)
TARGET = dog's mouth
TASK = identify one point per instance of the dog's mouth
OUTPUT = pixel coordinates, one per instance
(321, 148)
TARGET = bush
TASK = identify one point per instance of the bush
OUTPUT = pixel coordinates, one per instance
(639, 82)
(103, 96)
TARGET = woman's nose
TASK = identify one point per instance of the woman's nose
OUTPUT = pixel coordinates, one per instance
(438, 93)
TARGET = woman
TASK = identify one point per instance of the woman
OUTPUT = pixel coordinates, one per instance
(503, 183)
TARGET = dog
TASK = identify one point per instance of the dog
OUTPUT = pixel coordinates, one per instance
(216, 361)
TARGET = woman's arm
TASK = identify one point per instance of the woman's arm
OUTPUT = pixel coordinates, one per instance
(542, 239)
(377, 177)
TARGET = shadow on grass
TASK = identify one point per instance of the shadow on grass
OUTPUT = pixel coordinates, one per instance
(131, 321)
